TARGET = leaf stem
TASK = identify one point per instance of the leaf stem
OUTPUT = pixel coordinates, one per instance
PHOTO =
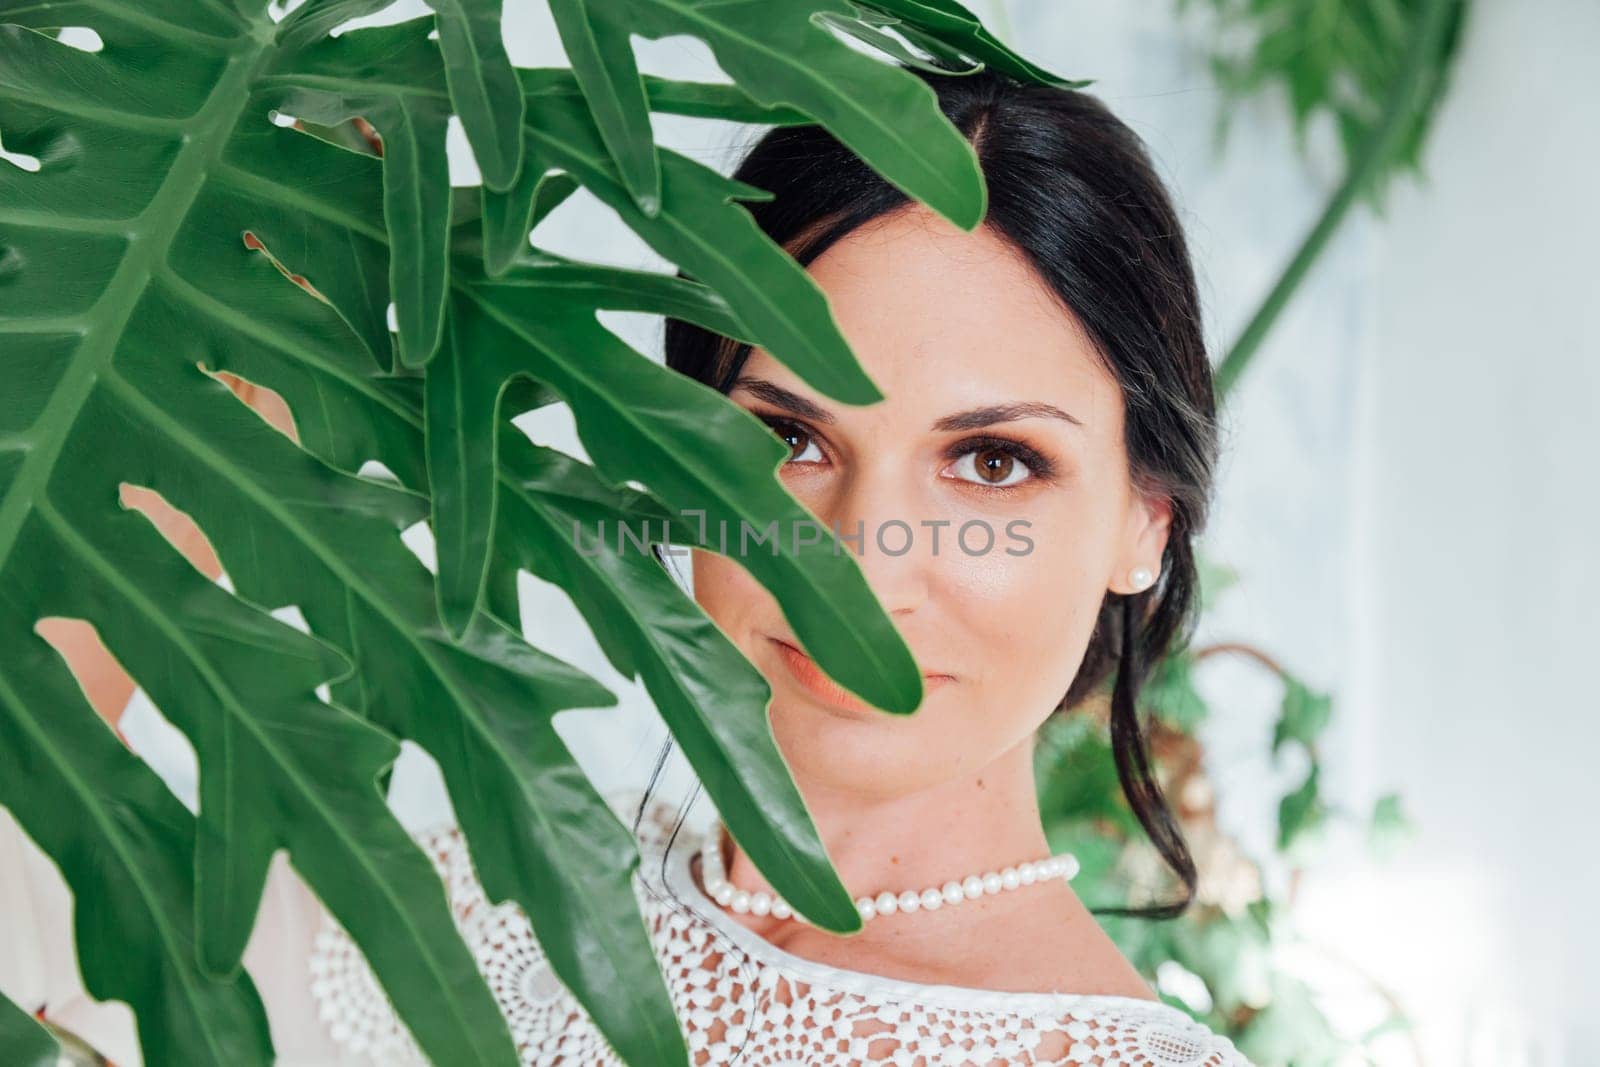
(1375, 153)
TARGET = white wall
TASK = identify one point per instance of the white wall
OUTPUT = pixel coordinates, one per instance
(1476, 588)
(1410, 496)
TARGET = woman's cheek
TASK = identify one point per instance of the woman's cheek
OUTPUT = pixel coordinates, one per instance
(726, 592)
(1033, 607)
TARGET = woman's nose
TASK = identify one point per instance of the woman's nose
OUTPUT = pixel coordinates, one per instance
(878, 522)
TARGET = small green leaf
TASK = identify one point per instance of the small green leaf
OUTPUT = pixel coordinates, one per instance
(1172, 696)
(1390, 828)
(1290, 1029)
(1303, 715)
(1301, 814)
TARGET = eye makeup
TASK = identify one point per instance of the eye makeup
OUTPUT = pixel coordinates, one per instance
(1037, 463)
(1040, 467)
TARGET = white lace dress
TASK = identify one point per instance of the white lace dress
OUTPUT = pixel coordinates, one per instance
(744, 1001)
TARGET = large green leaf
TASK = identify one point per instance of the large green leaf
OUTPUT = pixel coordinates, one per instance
(839, 626)
(482, 706)
(382, 417)
(538, 832)
(692, 446)
(103, 335)
(701, 228)
(124, 845)
(124, 266)
(783, 54)
(350, 415)
(770, 813)
(147, 251)
(642, 422)
(565, 526)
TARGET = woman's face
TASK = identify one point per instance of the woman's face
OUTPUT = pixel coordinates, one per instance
(997, 416)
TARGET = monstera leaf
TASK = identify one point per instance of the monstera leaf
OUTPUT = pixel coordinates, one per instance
(175, 225)
(27, 1043)
(951, 32)
(483, 86)
(126, 845)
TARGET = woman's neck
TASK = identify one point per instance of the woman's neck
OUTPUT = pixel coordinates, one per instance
(986, 821)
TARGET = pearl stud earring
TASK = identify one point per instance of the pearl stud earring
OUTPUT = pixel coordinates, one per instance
(1141, 578)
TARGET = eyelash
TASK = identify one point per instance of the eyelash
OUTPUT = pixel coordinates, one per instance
(1039, 467)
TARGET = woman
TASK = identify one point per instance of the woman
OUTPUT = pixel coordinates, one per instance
(1023, 503)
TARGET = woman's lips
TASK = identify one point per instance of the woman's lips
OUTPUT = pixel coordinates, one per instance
(811, 677)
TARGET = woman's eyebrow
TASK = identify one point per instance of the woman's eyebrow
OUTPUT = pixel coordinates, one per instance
(990, 414)
(778, 396)
(972, 419)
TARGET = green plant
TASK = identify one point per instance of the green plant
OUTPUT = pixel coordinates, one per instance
(206, 187)
(1377, 69)
(1227, 945)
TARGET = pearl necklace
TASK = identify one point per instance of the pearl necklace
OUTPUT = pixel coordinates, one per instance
(973, 886)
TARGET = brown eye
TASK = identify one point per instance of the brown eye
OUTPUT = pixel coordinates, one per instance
(994, 466)
(797, 438)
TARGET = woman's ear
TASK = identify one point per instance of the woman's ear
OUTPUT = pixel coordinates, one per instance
(1144, 541)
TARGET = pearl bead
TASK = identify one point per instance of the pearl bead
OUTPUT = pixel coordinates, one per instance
(1008, 878)
(952, 893)
(781, 909)
(932, 900)
(887, 903)
(741, 901)
(723, 894)
(867, 907)
(972, 887)
(1070, 864)
(760, 904)
(910, 901)
(991, 883)
(1027, 874)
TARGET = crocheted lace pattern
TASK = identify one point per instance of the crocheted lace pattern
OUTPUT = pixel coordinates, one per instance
(743, 1001)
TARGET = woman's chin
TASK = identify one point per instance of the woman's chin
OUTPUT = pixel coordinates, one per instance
(867, 752)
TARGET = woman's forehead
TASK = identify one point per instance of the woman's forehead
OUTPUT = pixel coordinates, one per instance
(945, 319)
